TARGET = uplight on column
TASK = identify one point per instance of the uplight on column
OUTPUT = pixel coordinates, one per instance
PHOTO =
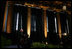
(45, 23)
(59, 26)
(29, 22)
(5, 17)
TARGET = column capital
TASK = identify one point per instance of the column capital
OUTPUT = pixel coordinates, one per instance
(45, 8)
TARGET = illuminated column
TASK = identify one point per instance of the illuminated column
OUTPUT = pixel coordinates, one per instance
(17, 21)
(55, 25)
(67, 26)
(59, 26)
(5, 16)
(45, 23)
(29, 22)
(9, 19)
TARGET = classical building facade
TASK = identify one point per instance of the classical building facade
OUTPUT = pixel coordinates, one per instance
(37, 21)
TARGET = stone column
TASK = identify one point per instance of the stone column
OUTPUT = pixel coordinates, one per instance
(45, 23)
(5, 16)
(9, 19)
(59, 26)
(29, 22)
